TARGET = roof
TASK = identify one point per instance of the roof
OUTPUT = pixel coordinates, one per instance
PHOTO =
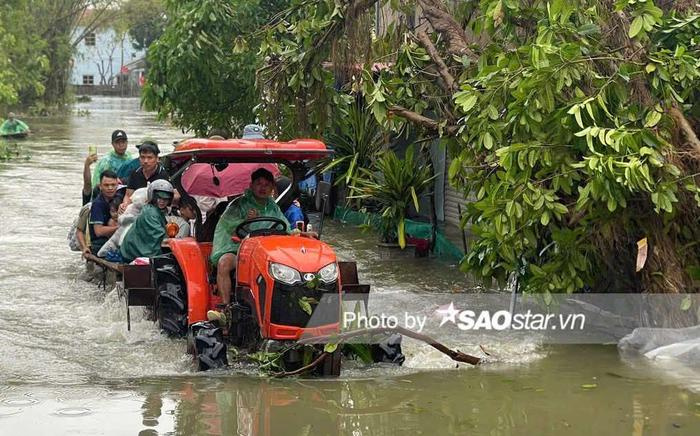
(249, 150)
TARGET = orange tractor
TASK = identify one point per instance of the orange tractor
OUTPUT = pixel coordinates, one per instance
(276, 276)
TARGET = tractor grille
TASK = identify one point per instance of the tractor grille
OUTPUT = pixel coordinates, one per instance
(286, 309)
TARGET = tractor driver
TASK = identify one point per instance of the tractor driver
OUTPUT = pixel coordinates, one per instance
(256, 202)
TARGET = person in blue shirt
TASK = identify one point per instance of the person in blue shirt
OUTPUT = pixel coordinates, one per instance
(100, 228)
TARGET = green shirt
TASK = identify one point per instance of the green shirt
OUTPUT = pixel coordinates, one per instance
(144, 237)
(235, 214)
(111, 161)
(15, 126)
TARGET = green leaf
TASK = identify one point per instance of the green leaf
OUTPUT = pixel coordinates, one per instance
(415, 199)
(454, 167)
(488, 141)
(329, 348)
(653, 117)
(636, 26)
(305, 306)
(401, 233)
(362, 351)
(686, 303)
(466, 102)
(544, 219)
(492, 111)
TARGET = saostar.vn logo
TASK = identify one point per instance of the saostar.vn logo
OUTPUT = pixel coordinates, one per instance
(504, 320)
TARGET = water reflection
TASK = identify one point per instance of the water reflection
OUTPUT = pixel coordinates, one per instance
(555, 396)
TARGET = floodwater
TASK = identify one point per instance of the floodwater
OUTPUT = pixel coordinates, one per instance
(69, 366)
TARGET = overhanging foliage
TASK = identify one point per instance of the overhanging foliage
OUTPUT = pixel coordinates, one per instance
(572, 122)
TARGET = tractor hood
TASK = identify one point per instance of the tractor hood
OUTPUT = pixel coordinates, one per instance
(306, 255)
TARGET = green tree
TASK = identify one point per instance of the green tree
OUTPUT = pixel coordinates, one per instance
(22, 62)
(202, 69)
(144, 20)
(38, 40)
(572, 123)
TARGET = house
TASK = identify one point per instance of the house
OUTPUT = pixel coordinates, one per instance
(100, 61)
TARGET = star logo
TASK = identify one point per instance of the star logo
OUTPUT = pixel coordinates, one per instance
(448, 314)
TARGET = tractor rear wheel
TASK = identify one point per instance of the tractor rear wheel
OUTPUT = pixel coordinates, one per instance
(209, 346)
(172, 301)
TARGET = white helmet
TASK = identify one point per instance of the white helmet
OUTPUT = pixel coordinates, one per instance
(159, 185)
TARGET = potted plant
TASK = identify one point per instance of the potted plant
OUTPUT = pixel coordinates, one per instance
(357, 141)
(394, 185)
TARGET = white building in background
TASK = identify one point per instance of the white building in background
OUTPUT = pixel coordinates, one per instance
(100, 57)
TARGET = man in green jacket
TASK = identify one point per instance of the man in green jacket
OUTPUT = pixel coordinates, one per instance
(12, 125)
(145, 236)
(116, 158)
(256, 202)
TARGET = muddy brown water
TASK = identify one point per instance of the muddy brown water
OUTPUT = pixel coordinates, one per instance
(69, 366)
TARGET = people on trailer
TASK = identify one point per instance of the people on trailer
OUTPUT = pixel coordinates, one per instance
(145, 236)
(183, 217)
(78, 235)
(149, 171)
(114, 210)
(12, 125)
(219, 133)
(100, 230)
(83, 233)
(255, 202)
(110, 250)
(115, 160)
(88, 190)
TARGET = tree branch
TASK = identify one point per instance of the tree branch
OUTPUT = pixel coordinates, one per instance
(444, 23)
(455, 355)
(321, 357)
(435, 56)
(421, 120)
(687, 130)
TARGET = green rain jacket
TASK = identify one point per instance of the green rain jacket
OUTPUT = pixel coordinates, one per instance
(235, 214)
(111, 161)
(9, 127)
(144, 237)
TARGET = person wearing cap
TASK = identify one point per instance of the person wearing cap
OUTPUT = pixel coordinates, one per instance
(256, 202)
(12, 125)
(112, 161)
(148, 171)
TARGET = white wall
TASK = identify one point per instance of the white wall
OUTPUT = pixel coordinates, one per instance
(109, 53)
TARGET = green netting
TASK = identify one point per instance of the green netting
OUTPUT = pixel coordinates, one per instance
(443, 246)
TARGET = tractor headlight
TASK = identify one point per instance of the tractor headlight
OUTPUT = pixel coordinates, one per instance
(284, 274)
(328, 273)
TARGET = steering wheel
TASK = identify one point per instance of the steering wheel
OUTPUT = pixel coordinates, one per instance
(276, 227)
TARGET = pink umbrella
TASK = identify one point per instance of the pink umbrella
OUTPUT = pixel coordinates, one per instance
(204, 179)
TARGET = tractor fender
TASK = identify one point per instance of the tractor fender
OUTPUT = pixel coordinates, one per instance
(193, 264)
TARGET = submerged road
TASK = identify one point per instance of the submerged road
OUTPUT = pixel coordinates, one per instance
(69, 366)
